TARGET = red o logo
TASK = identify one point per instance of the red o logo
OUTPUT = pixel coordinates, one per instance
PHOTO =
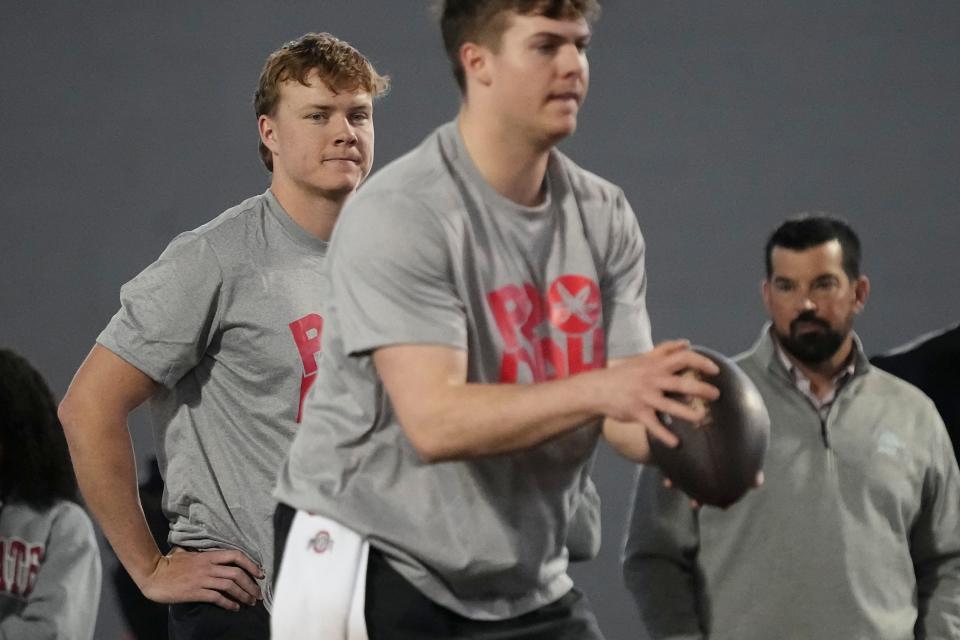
(321, 542)
(574, 303)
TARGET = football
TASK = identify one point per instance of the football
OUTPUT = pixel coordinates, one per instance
(717, 460)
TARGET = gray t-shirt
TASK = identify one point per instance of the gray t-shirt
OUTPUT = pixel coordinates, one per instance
(228, 321)
(428, 253)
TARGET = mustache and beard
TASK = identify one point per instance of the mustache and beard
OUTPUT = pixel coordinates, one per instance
(811, 347)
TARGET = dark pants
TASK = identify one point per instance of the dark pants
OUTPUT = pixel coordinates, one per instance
(396, 610)
(282, 521)
(202, 621)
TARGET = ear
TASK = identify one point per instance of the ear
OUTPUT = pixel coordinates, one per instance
(475, 59)
(268, 132)
(765, 293)
(862, 292)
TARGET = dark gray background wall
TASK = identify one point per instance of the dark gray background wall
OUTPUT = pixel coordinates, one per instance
(125, 123)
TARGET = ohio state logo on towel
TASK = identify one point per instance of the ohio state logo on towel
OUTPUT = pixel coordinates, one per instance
(321, 543)
(549, 335)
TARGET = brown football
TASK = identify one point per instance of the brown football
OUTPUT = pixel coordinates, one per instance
(718, 459)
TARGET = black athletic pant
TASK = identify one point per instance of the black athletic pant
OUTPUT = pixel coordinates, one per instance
(202, 621)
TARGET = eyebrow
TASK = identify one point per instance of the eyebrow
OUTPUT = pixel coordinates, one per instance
(559, 37)
(555, 35)
(316, 106)
(816, 278)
